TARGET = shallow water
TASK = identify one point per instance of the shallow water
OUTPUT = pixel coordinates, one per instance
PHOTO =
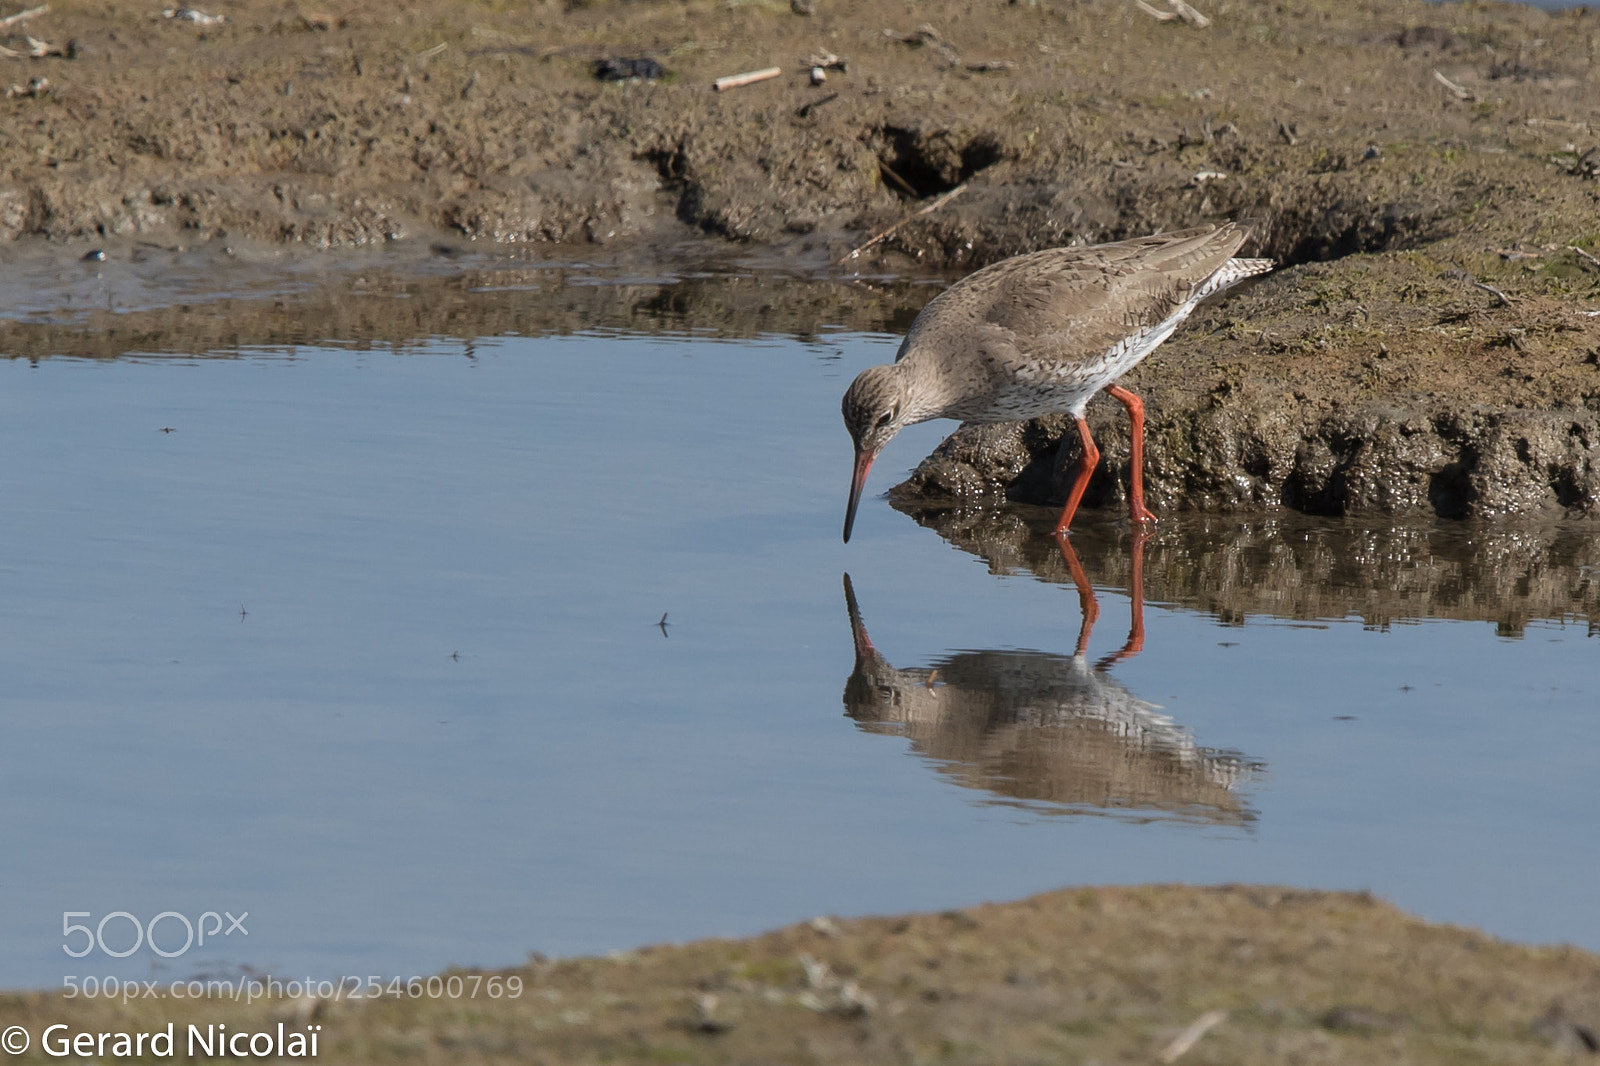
(366, 644)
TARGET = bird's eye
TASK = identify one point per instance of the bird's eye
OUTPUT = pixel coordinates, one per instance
(884, 419)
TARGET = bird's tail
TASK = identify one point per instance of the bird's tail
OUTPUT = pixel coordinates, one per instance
(1233, 272)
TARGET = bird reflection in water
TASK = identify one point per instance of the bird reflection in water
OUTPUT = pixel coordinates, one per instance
(1050, 732)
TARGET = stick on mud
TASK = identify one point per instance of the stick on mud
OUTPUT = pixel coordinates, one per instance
(885, 233)
(733, 81)
(1460, 92)
(1189, 14)
(1191, 1036)
(12, 20)
(1505, 301)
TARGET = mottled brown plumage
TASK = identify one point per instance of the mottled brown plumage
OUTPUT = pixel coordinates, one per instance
(1039, 334)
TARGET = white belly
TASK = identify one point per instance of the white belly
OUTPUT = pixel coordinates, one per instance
(1047, 387)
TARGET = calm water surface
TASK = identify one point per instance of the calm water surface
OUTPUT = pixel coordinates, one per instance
(367, 646)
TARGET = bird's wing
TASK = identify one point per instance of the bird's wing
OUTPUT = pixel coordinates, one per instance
(1074, 303)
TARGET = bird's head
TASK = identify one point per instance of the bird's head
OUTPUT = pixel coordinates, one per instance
(875, 409)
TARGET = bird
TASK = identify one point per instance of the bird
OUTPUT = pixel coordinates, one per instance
(1039, 334)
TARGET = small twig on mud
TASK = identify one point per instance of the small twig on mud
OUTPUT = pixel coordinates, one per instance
(194, 15)
(1191, 1036)
(1505, 301)
(1287, 134)
(36, 87)
(1563, 123)
(926, 34)
(902, 183)
(806, 109)
(12, 20)
(885, 234)
(1189, 14)
(1159, 16)
(1180, 10)
(1461, 93)
(1457, 272)
(1585, 256)
(429, 53)
(828, 61)
(733, 81)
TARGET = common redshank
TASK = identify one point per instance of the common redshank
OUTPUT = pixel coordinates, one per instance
(1039, 334)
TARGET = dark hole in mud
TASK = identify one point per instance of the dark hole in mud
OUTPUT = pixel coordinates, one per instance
(1429, 39)
(1450, 489)
(1321, 232)
(670, 163)
(918, 164)
(1326, 499)
(1564, 481)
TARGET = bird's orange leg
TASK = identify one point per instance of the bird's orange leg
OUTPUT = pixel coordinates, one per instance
(1086, 465)
(1137, 511)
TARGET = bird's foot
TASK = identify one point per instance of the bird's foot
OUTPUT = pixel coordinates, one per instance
(1141, 518)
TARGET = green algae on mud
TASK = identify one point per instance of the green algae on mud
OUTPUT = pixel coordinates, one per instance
(1107, 974)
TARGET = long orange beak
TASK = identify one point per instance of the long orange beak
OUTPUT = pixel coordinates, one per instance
(857, 483)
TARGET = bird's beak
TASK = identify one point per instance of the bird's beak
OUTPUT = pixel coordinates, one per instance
(857, 482)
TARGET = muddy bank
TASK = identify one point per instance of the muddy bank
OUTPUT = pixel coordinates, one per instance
(378, 124)
(1111, 975)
